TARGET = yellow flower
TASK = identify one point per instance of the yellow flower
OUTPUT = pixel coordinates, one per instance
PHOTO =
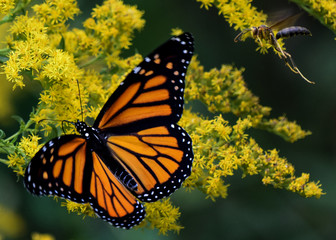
(112, 25)
(224, 90)
(6, 6)
(55, 13)
(323, 10)
(227, 152)
(163, 216)
(42, 236)
(79, 69)
(240, 13)
(176, 31)
(30, 145)
(17, 163)
(80, 209)
(206, 3)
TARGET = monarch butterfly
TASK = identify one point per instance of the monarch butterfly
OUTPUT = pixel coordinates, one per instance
(135, 150)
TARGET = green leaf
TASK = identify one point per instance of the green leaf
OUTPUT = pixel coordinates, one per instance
(61, 45)
(18, 119)
(2, 134)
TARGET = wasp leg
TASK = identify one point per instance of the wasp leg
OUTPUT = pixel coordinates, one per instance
(293, 67)
(259, 40)
(277, 46)
(285, 55)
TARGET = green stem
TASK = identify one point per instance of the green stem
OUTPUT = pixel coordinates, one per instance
(21, 130)
(4, 161)
(4, 52)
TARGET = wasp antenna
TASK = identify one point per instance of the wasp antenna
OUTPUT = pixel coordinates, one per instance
(239, 36)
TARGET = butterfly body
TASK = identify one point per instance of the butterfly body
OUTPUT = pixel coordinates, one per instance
(134, 150)
(97, 143)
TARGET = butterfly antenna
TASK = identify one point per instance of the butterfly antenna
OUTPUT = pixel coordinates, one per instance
(80, 101)
(66, 122)
(46, 119)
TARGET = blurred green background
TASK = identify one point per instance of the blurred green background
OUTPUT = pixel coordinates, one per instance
(251, 211)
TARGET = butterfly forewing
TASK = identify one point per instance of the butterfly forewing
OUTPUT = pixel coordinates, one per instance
(152, 94)
(60, 168)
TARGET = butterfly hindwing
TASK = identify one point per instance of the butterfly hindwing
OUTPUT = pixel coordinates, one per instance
(67, 168)
(110, 199)
(159, 159)
(152, 94)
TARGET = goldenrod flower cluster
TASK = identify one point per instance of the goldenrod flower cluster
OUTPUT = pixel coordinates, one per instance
(55, 13)
(88, 62)
(239, 13)
(80, 209)
(223, 90)
(163, 215)
(323, 10)
(6, 6)
(221, 149)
